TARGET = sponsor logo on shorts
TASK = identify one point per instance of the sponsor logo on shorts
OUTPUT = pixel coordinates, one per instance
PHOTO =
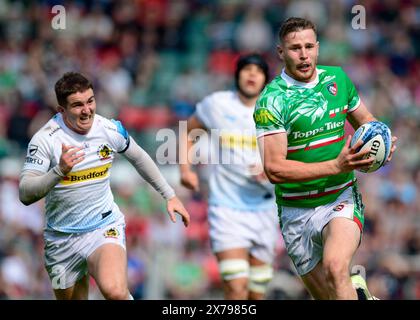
(112, 233)
(304, 262)
(104, 152)
(87, 175)
(340, 206)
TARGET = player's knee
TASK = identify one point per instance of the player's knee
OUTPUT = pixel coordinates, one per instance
(236, 289)
(336, 270)
(259, 278)
(115, 291)
(235, 273)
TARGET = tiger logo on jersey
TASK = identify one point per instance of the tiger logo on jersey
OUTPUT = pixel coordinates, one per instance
(332, 88)
(104, 152)
(112, 233)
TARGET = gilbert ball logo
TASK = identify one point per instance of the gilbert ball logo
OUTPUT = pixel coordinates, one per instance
(332, 88)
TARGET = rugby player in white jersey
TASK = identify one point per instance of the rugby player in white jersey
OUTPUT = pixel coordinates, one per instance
(69, 162)
(242, 214)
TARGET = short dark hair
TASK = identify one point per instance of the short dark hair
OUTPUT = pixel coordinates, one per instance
(252, 58)
(69, 83)
(294, 24)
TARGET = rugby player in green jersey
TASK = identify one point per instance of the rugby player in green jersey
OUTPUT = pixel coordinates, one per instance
(300, 118)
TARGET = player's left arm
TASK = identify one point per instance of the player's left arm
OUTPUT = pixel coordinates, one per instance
(361, 116)
(146, 167)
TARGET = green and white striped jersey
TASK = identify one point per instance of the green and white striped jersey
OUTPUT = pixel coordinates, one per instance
(313, 115)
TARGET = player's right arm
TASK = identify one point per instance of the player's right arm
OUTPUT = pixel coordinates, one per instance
(34, 184)
(189, 178)
(273, 148)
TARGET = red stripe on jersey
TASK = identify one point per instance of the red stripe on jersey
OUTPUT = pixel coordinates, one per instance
(295, 150)
(324, 144)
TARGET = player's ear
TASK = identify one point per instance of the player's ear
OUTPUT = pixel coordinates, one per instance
(280, 51)
(60, 109)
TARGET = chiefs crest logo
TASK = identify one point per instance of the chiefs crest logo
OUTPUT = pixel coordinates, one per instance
(111, 233)
(104, 152)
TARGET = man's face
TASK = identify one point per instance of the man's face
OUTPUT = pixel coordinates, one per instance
(251, 80)
(80, 110)
(299, 51)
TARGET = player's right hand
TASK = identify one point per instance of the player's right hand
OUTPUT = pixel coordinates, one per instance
(349, 160)
(189, 179)
(70, 156)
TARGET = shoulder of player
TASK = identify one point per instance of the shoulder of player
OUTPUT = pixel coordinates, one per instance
(219, 96)
(274, 87)
(331, 71)
(48, 130)
(105, 123)
(273, 93)
(216, 101)
(111, 125)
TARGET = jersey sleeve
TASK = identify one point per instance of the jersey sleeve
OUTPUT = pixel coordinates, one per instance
(120, 140)
(267, 117)
(353, 97)
(205, 112)
(38, 155)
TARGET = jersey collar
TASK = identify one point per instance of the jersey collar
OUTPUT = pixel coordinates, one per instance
(292, 82)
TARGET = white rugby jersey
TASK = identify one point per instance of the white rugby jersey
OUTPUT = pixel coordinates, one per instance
(82, 201)
(230, 182)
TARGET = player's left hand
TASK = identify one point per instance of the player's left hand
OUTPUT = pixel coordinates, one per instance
(393, 148)
(175, 205)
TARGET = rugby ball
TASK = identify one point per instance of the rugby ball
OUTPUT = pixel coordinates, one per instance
(376, 137)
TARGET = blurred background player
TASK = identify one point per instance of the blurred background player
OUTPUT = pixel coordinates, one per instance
(242, 215)
(69, 162)
(300, 117)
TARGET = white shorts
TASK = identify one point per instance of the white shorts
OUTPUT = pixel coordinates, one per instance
(302, 227)
(256, 231)
(66, 253)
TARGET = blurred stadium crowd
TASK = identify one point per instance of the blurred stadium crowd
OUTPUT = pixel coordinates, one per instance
(151, 61)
